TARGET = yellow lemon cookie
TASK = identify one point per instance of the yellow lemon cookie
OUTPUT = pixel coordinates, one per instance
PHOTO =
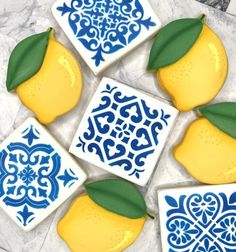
(207, 150)
(191, 62)
(45, 75)
(109, 217)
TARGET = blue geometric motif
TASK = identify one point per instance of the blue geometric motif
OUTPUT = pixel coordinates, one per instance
(202, 223)
(27, 175)
(105, 26)
(122, 131)
(30, 176)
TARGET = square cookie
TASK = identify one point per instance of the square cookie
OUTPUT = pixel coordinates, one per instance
(198, 219)
(123, 131)
(36, 174)
(103, 31)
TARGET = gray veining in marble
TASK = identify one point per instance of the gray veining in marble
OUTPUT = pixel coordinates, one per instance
(218, 4)
(19, 19)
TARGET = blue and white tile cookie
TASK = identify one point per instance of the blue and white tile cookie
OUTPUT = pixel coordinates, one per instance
(36, 174)
(123, 131)
(103, 31)
(198, 219)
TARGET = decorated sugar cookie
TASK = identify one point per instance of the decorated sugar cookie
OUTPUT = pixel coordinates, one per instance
(36, 175)
(198, 218)
(124, 131)
(207, 150)
(104, 31)
(45, 75)
(109, 217)
(190, 61)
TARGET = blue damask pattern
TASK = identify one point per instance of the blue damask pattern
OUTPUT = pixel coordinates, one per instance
(201, 223)
(31, 175)
(105, 26)
(123, 131)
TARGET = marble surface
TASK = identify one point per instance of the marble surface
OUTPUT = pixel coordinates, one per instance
(232, 8)
(19, 19)
(218, 4)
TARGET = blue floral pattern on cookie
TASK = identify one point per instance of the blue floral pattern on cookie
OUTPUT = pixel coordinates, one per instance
(201, 222)
(105, 26)
(32, 175)
(123, 131)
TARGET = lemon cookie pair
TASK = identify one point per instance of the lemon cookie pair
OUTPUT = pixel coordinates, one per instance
(192, 66)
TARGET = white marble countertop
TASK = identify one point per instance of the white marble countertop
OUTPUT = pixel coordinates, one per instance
(19, 19)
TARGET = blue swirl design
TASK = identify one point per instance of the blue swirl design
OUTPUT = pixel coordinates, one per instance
(31, 176)
(122, 131)
(105, 26)
(201, 222)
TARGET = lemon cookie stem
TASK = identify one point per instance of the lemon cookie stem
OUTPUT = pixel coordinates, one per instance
(118, 196)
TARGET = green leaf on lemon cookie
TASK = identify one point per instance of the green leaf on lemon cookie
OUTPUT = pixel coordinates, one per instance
(173, 41)
(222, 115)
(118, 196)
(26, 59)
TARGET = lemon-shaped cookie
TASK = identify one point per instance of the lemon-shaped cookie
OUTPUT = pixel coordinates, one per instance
(207, 150)
(109, 217)
(190, 61)
(45, 75)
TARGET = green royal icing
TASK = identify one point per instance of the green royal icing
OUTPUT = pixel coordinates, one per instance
(26, 59)
(222, 115)
(173, 41)
(118, 196)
